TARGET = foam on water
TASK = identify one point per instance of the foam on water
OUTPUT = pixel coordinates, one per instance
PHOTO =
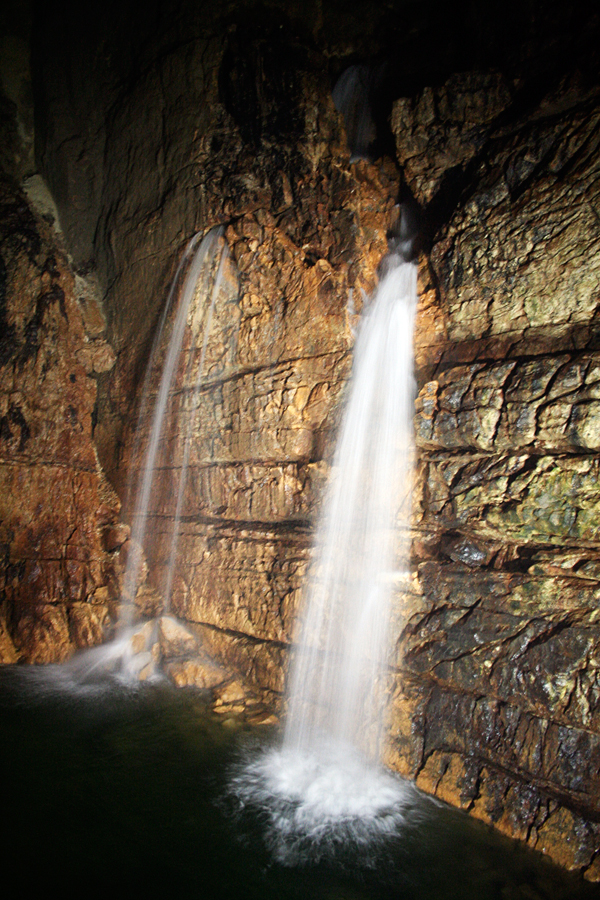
(317, 802)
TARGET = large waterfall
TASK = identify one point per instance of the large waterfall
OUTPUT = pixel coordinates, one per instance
(324, 784)
(336, 678)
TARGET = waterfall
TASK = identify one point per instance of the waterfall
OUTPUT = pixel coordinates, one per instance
(176, 404)
(336, 678)
(352, 100)
(325, 786)
(170, 404)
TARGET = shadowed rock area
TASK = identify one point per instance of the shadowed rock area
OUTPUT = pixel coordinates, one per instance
(149, 129)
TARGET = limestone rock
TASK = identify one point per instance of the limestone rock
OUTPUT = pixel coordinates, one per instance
(526, 225)
(261, 664)
(231, 694)
(143, 639)
(567, 838)
(87, 623)
(42, 634)
(444, 129)
(174, 639)
(8, 651)
(54, 498)
(114, 536)
(148, 601)
(196, 672)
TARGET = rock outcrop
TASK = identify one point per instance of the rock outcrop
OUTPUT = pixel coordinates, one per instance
(500, 647)
(55, 503)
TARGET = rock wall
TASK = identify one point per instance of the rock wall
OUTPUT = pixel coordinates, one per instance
(500, 646)
(57, 511)
(151, 129)
(232, 124)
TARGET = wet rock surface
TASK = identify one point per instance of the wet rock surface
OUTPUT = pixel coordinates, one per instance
(166, 647)
(498, 708)
(442, 130)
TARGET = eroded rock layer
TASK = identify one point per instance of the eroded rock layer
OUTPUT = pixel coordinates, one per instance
(500, 648)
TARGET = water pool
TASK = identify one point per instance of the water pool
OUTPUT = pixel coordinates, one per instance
(124, 791)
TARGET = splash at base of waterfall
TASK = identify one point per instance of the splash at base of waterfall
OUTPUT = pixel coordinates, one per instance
(315, 804)
(324, 792)
(126, 657)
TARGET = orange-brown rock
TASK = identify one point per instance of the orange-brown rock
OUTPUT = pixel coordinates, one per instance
(54, 500)
(499, 644)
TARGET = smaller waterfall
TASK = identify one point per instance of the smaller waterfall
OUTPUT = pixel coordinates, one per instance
(176, 405)
(324, 786)
(352, 100)
(166, 426)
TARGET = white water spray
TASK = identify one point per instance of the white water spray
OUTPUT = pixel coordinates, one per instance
(325, 785)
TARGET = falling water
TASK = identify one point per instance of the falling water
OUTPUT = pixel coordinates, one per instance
(205, 264)
(338, 669)
(325, 785)
(216, 249)
(189, 310)
(351, 99)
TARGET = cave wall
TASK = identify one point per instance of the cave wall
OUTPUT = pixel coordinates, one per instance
(152, 128)
(57, 510)
(59, 516)
(500, 647)
(214, 119)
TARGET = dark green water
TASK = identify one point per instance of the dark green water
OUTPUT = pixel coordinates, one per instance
(120, 791)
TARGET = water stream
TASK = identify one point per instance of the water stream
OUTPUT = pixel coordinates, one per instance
(324, 784)
(170, 403)
(176, 404)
